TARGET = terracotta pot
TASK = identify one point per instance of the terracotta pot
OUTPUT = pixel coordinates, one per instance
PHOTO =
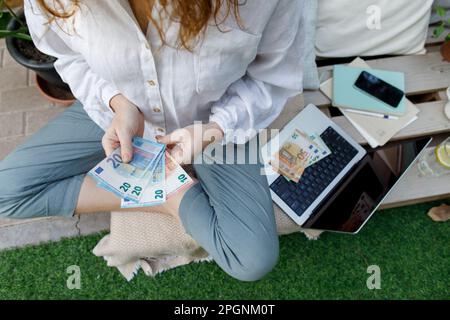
(445, 51)
(54, 94)
(14, 3)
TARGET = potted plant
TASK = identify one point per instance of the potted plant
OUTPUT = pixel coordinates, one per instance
(440, 29)
(20, 46)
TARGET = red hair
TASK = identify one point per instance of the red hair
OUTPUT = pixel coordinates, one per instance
(193, 15)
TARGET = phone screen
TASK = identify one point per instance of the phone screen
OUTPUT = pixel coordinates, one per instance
(379, 89)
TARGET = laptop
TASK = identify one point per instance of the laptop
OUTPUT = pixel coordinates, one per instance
(342, 191)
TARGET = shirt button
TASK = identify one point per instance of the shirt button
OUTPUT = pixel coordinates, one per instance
(151, 83)
(156, 110)
(147, 45)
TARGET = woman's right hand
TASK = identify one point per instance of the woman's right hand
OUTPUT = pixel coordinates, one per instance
(127, 123)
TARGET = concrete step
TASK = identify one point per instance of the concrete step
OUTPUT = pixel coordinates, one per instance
(19, 233)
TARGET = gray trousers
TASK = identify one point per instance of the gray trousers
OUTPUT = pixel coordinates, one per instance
(229, 212)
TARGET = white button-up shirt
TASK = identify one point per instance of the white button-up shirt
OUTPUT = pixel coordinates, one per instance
(238, 77)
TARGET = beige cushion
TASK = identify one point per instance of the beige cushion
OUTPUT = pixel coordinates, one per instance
(348, 28)
(156, 242)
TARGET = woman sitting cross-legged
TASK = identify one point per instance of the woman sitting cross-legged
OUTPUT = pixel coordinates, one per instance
(163, 70)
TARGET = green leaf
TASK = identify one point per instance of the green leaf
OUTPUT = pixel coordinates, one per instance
(439, 30)
(5, 33)
(4, 20)
(23, 36)
(447, 38)
(441, 11)
(21, 33)
(15, 34)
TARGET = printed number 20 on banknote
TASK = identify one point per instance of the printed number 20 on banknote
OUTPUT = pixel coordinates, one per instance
(176, 179)
(121, 178)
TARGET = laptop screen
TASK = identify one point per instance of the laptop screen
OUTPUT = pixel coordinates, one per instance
(353, 201)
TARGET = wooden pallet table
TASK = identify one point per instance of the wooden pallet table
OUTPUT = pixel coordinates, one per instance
(427, 76)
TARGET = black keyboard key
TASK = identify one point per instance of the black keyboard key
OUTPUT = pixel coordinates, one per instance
(285, 195)
(317, 177)
(295, 205)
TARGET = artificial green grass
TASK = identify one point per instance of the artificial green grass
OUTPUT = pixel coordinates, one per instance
(412, 251)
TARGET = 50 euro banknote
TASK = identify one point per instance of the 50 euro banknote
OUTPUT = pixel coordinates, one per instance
(298, 152)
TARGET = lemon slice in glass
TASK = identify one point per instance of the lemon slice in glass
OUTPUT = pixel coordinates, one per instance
(443, 154)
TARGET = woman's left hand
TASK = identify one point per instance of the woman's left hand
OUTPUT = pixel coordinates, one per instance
(187, 143)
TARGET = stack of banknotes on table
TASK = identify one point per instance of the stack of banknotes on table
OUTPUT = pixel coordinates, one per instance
(298, 152)
(149, 179)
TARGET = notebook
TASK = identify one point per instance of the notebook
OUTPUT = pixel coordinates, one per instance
(376, 131)
(346, 95)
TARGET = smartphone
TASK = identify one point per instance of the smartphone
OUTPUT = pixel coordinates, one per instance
(379, 89)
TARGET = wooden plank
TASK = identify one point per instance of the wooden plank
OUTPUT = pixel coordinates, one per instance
(431, 40)
(431, 121)
(317, 98)
(415, 189)
(442, 95)
(423, 74)
(291, 109)
(436, 48)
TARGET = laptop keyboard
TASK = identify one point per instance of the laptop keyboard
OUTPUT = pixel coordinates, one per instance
(299, 196)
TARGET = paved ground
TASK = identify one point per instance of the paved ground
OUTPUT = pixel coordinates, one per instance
(22, 109)
(22, 112)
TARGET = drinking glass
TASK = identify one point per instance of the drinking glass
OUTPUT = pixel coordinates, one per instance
(436, 161)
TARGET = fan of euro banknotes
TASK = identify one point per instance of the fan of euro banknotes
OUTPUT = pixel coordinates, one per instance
(298, 152)
(148, 180)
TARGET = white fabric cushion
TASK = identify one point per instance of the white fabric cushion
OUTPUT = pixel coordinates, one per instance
(347, 28)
